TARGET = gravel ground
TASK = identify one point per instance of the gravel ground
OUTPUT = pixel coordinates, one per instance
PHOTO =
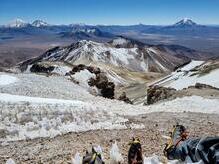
(62, 148)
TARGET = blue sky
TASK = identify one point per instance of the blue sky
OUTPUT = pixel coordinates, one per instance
(122, 12)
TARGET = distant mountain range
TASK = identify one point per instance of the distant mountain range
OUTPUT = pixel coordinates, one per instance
(85, 32)
(183, 27)
(22, 37)
(19, 23)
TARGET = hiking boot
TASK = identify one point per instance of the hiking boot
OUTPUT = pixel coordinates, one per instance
(177, 135)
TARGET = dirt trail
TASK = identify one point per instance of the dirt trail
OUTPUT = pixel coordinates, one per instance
(62, 148)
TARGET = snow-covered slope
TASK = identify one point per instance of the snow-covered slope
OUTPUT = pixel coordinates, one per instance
(188, 80)
(7, 79)
(188, 76)
(185, 22)
(20, 24)
(119, 41)
(39, 23)
(39, 106)
(17, 23)
(125, 53)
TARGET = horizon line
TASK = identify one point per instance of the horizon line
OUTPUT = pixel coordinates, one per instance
(99, 24)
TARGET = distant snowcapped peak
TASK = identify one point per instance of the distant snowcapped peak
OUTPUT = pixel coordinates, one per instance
(86, 30)
(92, 30)
(77, 25)
(86, 42)
(17, 23)
(185, 22)
(39, 23)
(119, 41)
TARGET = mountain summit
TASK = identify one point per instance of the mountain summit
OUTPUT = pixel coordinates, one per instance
(185, 22)
(119, 53)
(39, 23)
(17, 23)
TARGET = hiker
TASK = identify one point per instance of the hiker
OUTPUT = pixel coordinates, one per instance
(192, 150)
(135, 152)
(92, 157)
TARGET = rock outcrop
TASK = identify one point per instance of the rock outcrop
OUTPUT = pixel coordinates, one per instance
(157, 93)
(101, 81)
(203, 86)
(124, 98)
(41, 68)
(78, 68)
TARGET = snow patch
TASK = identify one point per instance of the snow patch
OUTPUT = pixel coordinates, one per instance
(25, 117)
(91, 30)
(39, 23)
(17, 23)
(191, 65)
(152, 160)
(144, 66)
(185, 81)
(10, 161)
(83, 77)
(77, 159)
(7, 79)
(36, 100)
(151, 49)
(28, 118)
(28, 69)
(119, 41)
(115, 155)
(137, 126)
(61, 70)
(195, 104)
(182, 78)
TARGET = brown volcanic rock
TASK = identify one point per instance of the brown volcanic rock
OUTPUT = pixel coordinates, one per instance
(101, 82)
(80, 67)
(108, 90)
(203, 86)
(77, 68)
(94, 70)
(124, 98)
(41, 68)
(157, 93)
